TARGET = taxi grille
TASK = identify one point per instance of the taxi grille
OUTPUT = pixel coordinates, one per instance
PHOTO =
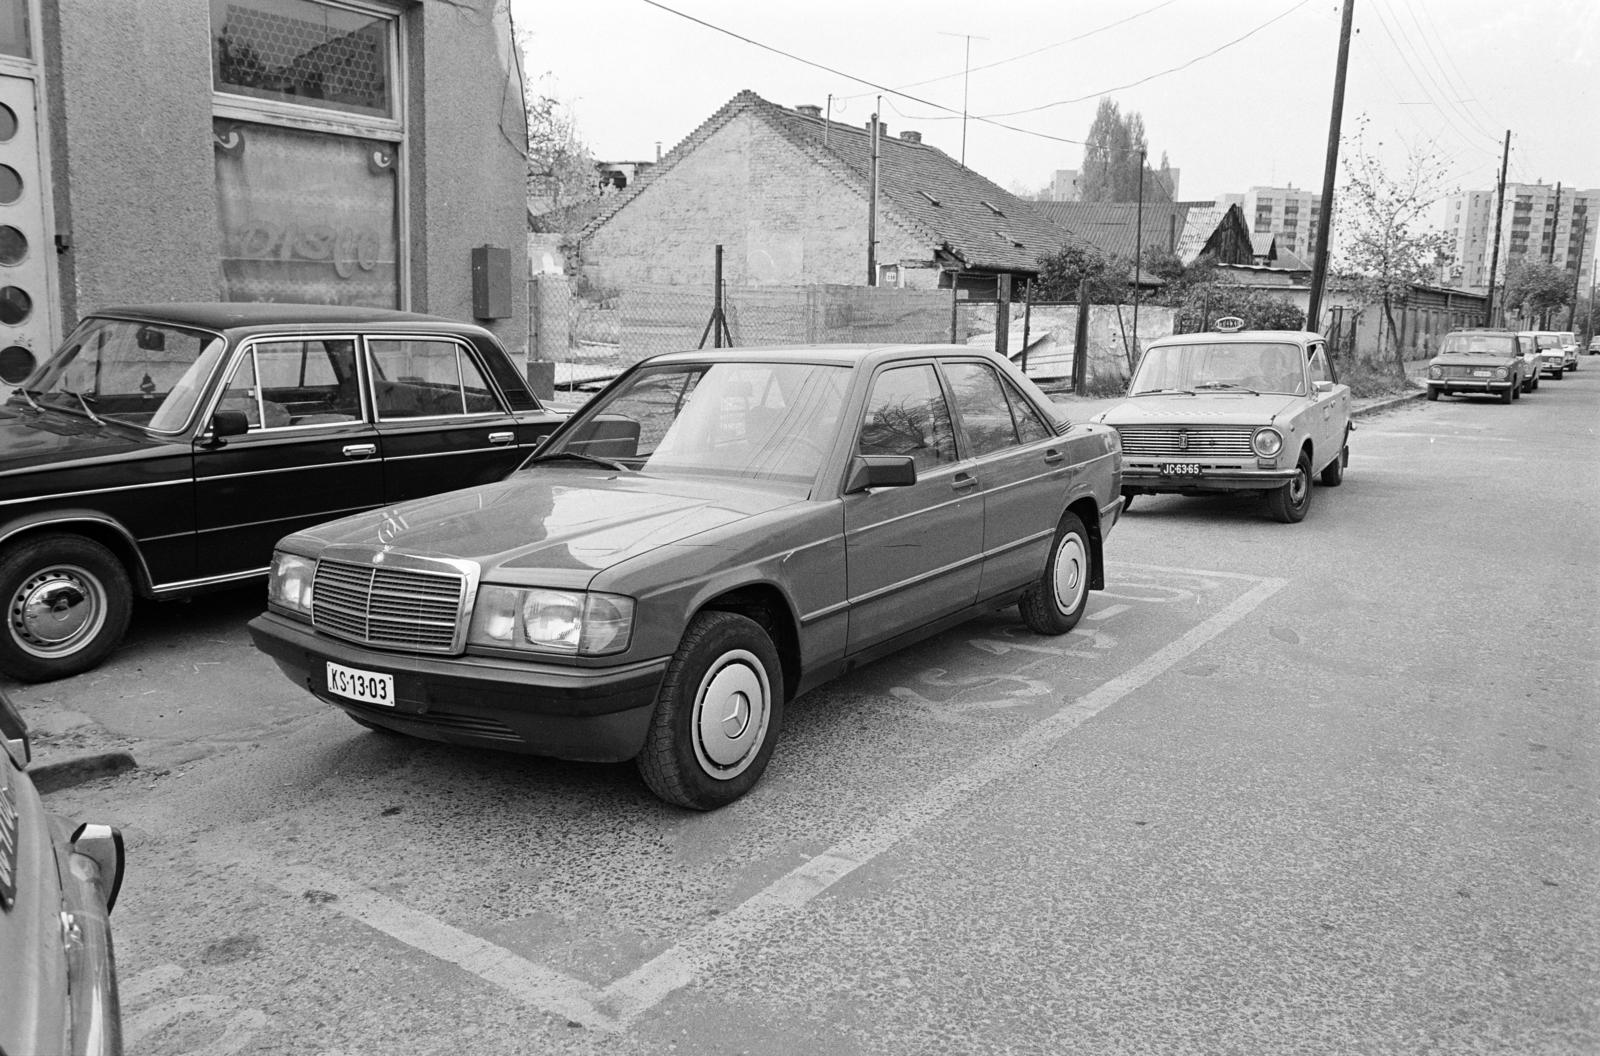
(1217, 441)
(1452, 370)
(388, 607)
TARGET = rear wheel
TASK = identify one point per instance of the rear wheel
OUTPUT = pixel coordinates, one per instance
(1333, 473)
(1055, 602)
(1289, 503)
(67, 605)
(717, 715)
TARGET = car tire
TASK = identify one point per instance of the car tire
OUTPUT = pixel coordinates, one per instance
(1433, 393)
(1289, 503)
(1127, 500)
(1055, 602)
(68, 600)
(1558, 373)
(717, 714)
(1333, 473)
(1516, 391)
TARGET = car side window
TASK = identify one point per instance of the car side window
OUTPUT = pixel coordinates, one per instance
(1319, 365)
(1031, 425)
(418, 378)
(312, 381)
(986, 416)
(243, 393)
(907, 415)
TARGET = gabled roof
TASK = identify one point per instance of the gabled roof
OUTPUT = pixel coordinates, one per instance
(1110, 226)
(958, 211)
(1264, 244)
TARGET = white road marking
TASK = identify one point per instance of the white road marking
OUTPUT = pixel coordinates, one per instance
(697, 955)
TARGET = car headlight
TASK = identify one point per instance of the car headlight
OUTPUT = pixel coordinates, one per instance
(579, 623)
(1436, 372)
(1267, 442)
(1501, 372)
(289, 582)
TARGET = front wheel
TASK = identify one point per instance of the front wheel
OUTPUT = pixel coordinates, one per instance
(1127, 500)
(68, 600)
(717, 715)
(1055, 602)
(1433, 393)
(1289, 503)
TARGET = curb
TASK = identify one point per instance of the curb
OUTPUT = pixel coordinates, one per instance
(65, 773)
(1384, 405)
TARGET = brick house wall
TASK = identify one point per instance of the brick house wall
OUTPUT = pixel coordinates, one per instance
(782, 217)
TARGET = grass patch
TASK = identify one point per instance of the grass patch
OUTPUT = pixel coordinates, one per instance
(1366, 380)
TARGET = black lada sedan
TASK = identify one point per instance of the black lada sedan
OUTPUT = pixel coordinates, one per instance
(162, 450)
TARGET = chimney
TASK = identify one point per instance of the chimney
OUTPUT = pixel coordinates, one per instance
(883, 129)
(911, 137)
(809, 110)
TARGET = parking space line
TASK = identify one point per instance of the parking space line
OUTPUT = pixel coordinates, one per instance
(612, 1009)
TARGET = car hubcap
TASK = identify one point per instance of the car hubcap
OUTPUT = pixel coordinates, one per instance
(1071, 574)
(731, 713)
(1298, 487)
(57, 611)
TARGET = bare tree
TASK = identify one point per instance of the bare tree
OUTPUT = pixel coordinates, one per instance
(1383, 249)
(561, 169)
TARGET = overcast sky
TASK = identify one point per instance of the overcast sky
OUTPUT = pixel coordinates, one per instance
(1229, 113)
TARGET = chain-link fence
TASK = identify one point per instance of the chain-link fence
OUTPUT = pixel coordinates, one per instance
(592, 335)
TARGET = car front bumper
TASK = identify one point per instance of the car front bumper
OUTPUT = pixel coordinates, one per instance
(590, 714)
(1145, 480)
(1472, 384)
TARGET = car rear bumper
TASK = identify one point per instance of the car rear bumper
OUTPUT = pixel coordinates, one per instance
(591, 714)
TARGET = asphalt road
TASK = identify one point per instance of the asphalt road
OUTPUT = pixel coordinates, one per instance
(1321, 788)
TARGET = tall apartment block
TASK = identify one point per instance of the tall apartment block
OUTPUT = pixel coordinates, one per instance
(1292, 214)
(1532, 227)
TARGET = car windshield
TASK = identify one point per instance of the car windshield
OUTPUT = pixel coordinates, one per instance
(1479, 345)
(758, 421)
(142, 374)
(1257, 366)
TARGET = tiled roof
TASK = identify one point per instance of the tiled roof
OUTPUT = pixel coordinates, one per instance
(953, 207)
(1109, 226)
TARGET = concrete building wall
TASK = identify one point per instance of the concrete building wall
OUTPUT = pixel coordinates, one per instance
(1290, 213)
(1531, 229)
(130, 132)
(780, 216)
(468, 179)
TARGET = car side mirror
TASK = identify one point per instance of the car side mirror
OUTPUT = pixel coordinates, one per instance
(880, 471)
(229, 423)
(1323, 386)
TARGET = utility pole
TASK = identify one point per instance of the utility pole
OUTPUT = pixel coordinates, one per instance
(1577, 272)
(872, 205)
(1550, 254)
(1319, 267)
(1499, 208)
(1138, 251)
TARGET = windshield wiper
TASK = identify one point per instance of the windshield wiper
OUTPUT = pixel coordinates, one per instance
(83, 401)
(28, 395)
(581, 457)
(1226, 385)
(1164, 392)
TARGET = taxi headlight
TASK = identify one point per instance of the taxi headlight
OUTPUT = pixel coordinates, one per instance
(1435, 372)
(289, 582)
(574, 622)
(1267, 442)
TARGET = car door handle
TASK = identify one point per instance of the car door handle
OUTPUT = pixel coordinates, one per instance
(1052, 454)
(963, 481)
(360, 450)
(502, 438)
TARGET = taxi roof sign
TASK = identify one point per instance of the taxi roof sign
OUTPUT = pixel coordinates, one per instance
(1229, 324)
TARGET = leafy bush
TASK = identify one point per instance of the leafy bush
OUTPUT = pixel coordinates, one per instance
(1203, 305)
(1368, 379)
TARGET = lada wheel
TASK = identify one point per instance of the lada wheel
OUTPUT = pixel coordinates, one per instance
(1055, 603)
(1507, 396)
(1127, 500)
(1290, 502)
(717, 715)
(67, 604)
(1433, 393)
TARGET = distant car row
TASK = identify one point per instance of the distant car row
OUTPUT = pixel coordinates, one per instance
(1503, 363)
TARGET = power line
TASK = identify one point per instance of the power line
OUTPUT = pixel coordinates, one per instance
(1460, 78)
(1153, 76)
(1031, 54)
(1412, 69)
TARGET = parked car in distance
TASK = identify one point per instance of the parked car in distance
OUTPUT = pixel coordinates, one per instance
(1481, 361)
(1551, 350)
(1569, 346)
(162, 450)
(708, 538)
(1528, 350)
(1594, 346)
(57, 887)
(1235, 411)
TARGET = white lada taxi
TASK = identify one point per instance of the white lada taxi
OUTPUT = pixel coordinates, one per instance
(1234, 410)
